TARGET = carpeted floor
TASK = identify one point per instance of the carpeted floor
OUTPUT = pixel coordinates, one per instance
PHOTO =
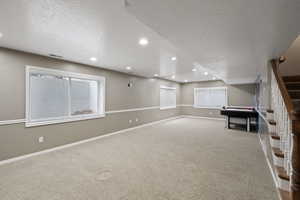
(182, 159)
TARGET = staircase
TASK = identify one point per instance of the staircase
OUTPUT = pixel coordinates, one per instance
(284, 132)
(292, 84)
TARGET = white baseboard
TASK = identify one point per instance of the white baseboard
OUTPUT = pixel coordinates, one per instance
(270, 116)
(283, 184)
(14, 121)
(199, 117)
(274, 176)
(83, 141)
(277, 161)
(272, 128)
(269, 163)
(270, 167)
(274, 143)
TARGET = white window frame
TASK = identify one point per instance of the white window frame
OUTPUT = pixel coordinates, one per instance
(210, 88)
(54, 120)
(168, 107)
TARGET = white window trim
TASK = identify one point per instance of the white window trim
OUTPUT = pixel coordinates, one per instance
(101, 97)
(210, 88)
(168, 107)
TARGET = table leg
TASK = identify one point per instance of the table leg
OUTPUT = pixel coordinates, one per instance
(228, 122)
(248, 124)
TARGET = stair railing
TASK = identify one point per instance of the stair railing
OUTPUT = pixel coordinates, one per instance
(287, 127)
(283, 121)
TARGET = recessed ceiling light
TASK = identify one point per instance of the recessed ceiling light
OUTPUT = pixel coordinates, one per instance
(143, 42)
(93, 59)
(156, 75)
(185, 81)
(173, 76)
(1, 35)
(128, 68)
(194, 69)
(214, 78)
(174, 58)
(205, 73)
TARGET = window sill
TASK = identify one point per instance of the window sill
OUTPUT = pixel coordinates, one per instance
(166, 108)
(63, 120)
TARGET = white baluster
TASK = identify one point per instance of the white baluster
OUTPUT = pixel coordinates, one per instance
(284, 124)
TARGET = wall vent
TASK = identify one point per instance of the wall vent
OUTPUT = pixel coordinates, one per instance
(55, 56)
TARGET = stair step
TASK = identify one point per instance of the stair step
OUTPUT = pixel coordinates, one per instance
(294, 94)
(285, 195)
(272, 122)
(275, 136)
(292, 85)
(274, 140)
(296, 104)
(278, 152)
(293, 90)
(282, 173)
(292, 82)
(291, 78)
(270, 111)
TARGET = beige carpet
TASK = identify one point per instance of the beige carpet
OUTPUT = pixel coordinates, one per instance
(182, 159)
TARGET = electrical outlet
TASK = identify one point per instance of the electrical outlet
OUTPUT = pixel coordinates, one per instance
(41, 139)
(136, 119)
(130, 121)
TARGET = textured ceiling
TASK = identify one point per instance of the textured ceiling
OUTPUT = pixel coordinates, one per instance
(231, 40)
(235, 38)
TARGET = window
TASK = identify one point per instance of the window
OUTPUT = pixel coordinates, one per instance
(215, 97)
(167, 97)
(54, 96)
(84, 96)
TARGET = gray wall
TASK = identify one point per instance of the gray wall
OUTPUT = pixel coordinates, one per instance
(238, 95)
(16, 140)
(144, 93)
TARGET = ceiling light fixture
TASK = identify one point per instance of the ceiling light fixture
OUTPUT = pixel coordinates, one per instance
(185, 81)
(155, 75)
(143, 42)
(194, 69)
(205, 73)
(128, 68)
(174, 58)
(94, 59)
(1, 35)
(173, 77)
(214, 78)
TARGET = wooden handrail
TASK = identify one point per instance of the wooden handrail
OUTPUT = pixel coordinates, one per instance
(294, 115)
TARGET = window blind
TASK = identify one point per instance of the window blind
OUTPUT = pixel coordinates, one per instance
(54, 96)
(210, 97)
(167, 97)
